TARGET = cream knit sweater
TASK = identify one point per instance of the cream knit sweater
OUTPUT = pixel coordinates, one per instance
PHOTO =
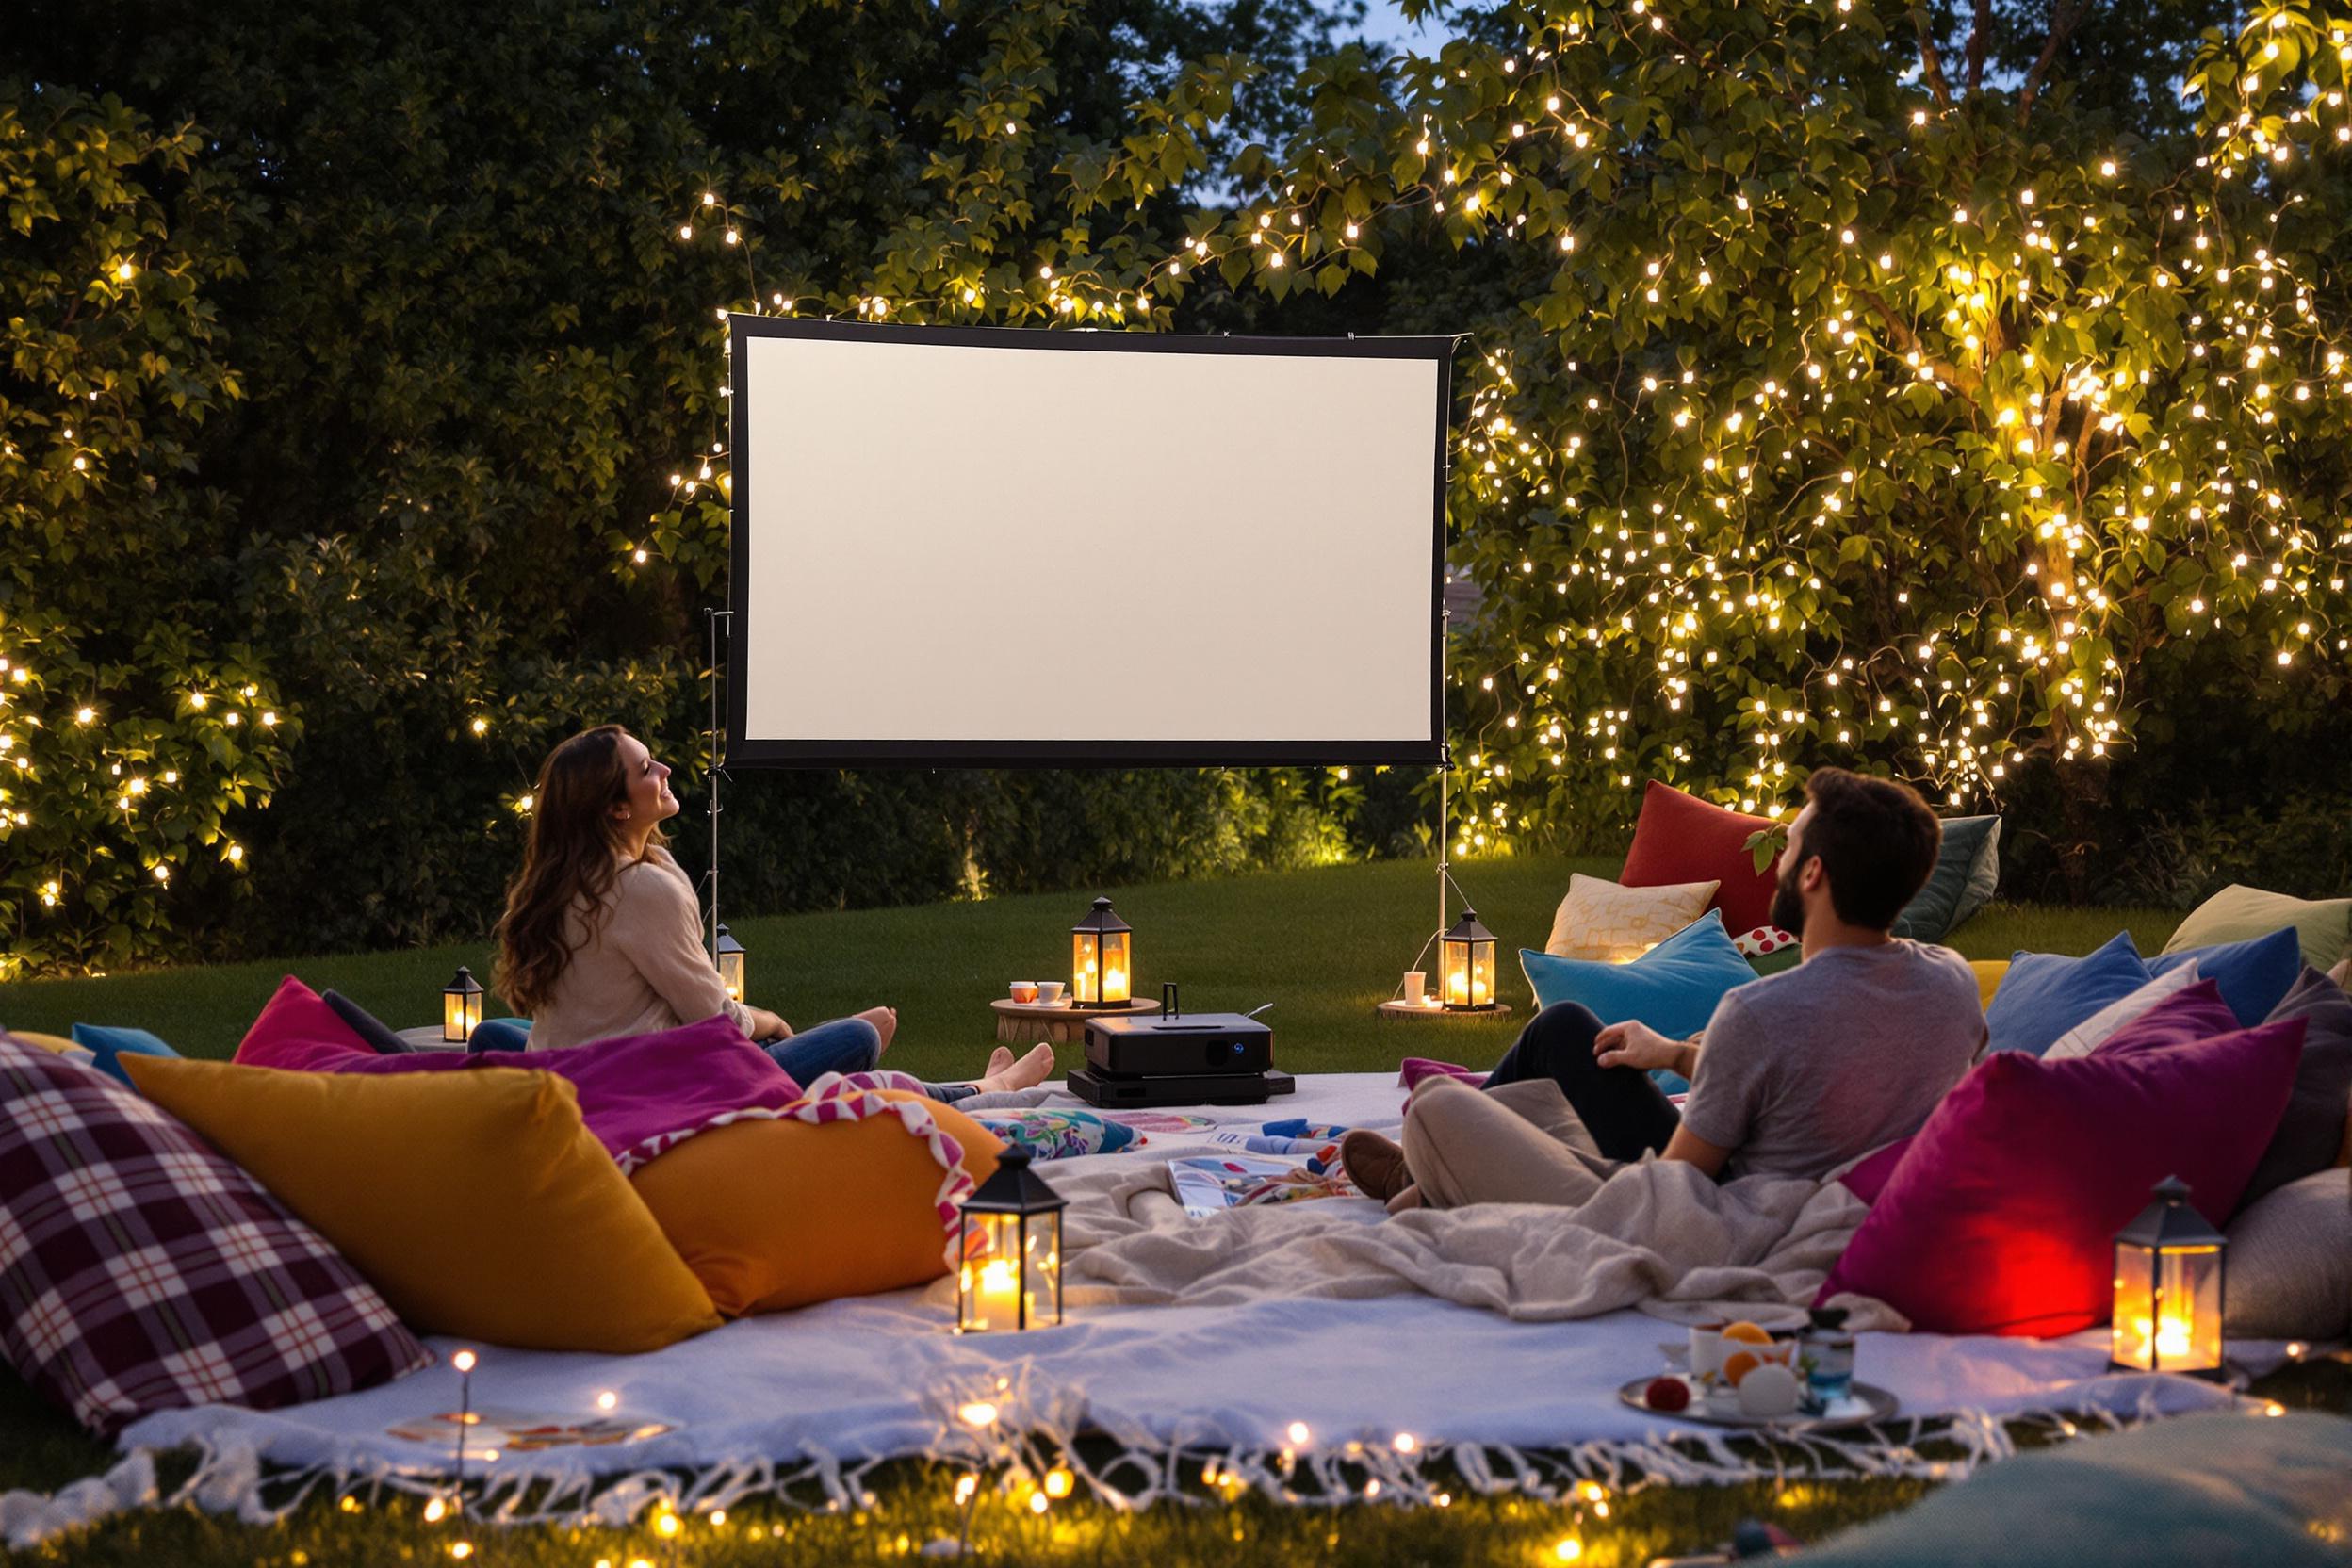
(639, 968)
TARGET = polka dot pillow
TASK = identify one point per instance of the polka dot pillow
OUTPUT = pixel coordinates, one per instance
(1761, 940)
(141, 1270)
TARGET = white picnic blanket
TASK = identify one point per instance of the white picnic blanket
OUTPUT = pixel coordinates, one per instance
(1233, 1368)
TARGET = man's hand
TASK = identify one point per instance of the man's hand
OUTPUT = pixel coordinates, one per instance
(1637, 1045)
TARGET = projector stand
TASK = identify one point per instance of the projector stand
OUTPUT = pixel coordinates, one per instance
(710, 877)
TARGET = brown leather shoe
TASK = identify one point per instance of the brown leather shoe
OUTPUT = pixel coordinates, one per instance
(1376, 1165)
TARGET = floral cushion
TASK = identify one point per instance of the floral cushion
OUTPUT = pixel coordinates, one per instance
(140, 1271)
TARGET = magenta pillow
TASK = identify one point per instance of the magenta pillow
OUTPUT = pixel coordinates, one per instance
(2190, 1014)
(635, 1091)
(2002, 1216)
(296, 1013)
(1867, 1177)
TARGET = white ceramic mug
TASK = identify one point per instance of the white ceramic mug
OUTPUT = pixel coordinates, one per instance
(1024, 992)
(1049, 993)
(1417, 986)
(1707, 1349)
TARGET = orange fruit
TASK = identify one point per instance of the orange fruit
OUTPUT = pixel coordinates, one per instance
(1738, 1364)
(1746, 1333)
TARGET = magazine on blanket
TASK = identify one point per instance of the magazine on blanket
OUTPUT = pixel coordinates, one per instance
(1207, 1183)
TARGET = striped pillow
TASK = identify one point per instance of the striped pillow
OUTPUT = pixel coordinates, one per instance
(141, 1270)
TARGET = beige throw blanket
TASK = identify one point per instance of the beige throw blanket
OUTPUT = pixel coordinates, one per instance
(1658, 1235)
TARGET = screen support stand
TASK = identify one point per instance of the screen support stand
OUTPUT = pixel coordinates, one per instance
(718, 772)
(1444, 774)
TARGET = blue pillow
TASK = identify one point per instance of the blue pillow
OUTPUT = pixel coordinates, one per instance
(1672, 988)
(2255, 975)
(108, 1046)
(2045, 994)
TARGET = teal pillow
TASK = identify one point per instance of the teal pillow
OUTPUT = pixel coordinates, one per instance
(2044, 994)
(1967, 873)
(107, 1045)
(1672, 988)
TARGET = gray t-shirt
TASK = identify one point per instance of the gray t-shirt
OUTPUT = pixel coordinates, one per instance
(1804, 1071)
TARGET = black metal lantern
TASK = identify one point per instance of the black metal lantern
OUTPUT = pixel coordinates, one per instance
(1466, 965)
(729, 953)
(1102, 959)
(461, 1008)
(1012, 1251)
(2168, 1289)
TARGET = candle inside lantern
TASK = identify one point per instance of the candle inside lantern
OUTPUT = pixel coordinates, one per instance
(998, 1293)
(1458, 986)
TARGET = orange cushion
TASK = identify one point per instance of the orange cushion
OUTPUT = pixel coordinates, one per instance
(772, 1213)
(478, 1202)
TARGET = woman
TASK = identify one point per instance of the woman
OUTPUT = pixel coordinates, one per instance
(602, 934)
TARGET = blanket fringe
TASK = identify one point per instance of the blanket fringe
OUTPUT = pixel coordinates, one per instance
(1029, 1433)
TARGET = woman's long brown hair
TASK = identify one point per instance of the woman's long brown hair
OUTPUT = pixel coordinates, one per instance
(572, 859)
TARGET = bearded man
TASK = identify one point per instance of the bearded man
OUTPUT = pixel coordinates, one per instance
(1796, 1074)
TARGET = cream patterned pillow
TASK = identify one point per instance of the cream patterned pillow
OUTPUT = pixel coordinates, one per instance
(1601, 921)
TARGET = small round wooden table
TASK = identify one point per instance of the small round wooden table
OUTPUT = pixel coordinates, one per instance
(1415, 1010)
(1055, 1024)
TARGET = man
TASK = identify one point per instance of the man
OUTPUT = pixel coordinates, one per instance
(1796, 1074)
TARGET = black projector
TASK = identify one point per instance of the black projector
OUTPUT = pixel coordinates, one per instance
(1176, 1058)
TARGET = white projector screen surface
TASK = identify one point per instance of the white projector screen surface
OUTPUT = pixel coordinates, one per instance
(1003, 548)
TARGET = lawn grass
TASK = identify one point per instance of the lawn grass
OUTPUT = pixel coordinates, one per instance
(1323, 945)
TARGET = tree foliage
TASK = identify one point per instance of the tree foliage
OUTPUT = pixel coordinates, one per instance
(135, 717)
(1846, 414)
(420, 382)
(1936, 389)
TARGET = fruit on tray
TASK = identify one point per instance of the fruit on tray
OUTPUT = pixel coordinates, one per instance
(1745, 1333)
(1769, 1390)
(1667, 1394)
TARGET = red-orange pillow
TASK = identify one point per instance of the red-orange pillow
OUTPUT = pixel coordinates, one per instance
(1681, 838)
(772, 1211)
(296, 1013)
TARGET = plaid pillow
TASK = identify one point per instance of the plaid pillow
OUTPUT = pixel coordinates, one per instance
(141, 1270)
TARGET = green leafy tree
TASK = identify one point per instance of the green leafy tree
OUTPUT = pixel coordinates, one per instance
(134, 720)
(1846, 414)
(472, 292)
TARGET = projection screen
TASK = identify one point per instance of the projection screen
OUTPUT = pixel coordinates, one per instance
(1003, 547)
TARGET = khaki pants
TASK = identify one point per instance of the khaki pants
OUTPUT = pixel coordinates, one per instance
(1521, 1143)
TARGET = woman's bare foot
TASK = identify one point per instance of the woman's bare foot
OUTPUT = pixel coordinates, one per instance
(885, 1021)
(1026, 1074)
(1000, 1062)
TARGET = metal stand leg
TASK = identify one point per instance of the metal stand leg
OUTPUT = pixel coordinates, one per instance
(718, 772)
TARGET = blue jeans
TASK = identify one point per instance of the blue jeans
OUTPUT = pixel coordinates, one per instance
(845, 1045)
(500, 1034)
(841, 1045)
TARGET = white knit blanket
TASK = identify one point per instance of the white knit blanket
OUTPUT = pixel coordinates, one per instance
(1501, 1329)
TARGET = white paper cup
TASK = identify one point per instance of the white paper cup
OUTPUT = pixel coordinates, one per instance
(1707, 1349)
(1049, 993)
(1416, 984)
